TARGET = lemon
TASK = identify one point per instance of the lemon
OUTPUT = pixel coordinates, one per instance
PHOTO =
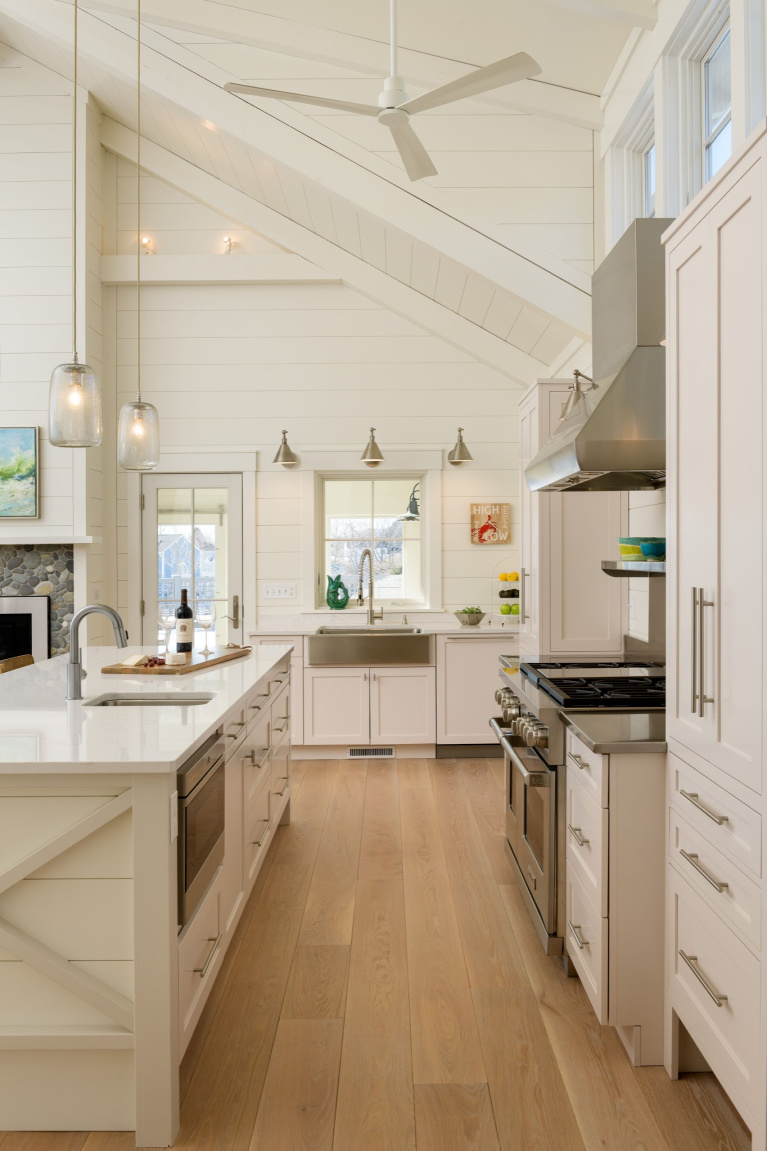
(503, 576)
(513, 576)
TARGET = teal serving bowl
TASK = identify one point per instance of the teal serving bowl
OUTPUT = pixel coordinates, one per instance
(653, 549)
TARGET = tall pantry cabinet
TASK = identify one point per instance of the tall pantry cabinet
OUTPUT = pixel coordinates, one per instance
(716, 263)
(568, 606)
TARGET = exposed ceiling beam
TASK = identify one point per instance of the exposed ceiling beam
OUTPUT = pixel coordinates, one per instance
(546, 283)
(308, 42)
(635, 13)
(370, 281)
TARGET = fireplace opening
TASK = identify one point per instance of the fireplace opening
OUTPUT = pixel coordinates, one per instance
(15, 635)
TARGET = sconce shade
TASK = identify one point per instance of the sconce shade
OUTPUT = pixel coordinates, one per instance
(459, 454)
(285, 455)
(138, 437)
(372, 455)
(74, 407)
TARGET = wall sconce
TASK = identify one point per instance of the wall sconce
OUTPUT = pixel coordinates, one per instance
(146, 244)
(412, 512)
(372, 455)
(577, 394)
(459, 454)
(285, 455)
(228, 245)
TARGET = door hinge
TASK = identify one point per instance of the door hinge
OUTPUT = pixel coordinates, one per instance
(142, 607)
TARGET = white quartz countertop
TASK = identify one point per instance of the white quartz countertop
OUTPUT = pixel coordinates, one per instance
(43, 732)
(429, 624)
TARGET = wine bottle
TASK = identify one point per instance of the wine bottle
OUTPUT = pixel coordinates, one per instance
(184, 624)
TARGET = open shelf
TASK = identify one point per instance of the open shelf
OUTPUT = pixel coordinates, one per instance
(628, 568)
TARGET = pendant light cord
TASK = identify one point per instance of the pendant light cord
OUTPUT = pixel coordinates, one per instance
(138, 202)
(74, 199)
(393, 35)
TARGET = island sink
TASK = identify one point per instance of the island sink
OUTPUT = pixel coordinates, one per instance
(142, 699)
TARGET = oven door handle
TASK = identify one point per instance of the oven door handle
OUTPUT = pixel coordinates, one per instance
(539, 778)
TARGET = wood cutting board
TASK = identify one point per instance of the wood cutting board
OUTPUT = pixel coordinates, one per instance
(194, 662)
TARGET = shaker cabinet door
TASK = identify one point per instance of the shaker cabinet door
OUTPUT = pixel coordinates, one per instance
(336, 705)
(402, 705)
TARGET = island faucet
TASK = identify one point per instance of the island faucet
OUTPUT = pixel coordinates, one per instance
(75, 671)
(372, 615)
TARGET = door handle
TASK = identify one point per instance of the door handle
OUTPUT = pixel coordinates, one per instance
(540, 778)
(703, 699)
(575, 931)
(694, 654)
(523, 575)
(235, 616)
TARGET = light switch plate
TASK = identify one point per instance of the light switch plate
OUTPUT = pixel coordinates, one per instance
(279, 591)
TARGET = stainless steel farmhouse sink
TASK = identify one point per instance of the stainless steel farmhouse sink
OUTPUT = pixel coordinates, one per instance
(369, 647)
(141, 699)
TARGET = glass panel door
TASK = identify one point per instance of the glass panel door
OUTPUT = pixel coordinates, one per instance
(192, 538)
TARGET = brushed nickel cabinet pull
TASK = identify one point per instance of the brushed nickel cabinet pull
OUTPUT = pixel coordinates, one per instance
(694, 654)
(575, 932)
(580, 763)
(703, 699)
(203, 971)
(692, 796)
(691, 960)
(258, 842)
(260, 762)
(692, 859)
(577, 835)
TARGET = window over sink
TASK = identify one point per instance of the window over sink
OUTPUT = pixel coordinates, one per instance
(385, 514)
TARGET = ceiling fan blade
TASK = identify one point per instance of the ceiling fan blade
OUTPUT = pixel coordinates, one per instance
(300, 98)
(414, 156)
(508, 71)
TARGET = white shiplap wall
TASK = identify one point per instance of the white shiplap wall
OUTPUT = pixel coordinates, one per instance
(229, 366)
(35, 272)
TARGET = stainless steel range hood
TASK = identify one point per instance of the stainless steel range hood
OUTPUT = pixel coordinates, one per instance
(615, 439)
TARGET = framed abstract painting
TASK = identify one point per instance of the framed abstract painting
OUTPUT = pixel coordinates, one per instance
(19, 483)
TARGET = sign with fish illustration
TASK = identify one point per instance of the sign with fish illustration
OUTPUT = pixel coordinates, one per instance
(19, 494)
(490, 523)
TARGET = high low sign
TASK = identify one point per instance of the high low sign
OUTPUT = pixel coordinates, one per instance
(490, 523)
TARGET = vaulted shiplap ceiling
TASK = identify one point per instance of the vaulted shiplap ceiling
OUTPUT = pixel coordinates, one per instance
(580, 56)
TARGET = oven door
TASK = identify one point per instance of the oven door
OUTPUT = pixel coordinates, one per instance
(531, 818)
(200, 840)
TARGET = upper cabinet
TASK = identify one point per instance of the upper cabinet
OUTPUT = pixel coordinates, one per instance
(716, 473)
(567, 604)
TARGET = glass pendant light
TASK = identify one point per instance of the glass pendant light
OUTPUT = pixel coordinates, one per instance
(138, 429)
(459, 454)
(372, 455)
(285, 455)
(74, 405)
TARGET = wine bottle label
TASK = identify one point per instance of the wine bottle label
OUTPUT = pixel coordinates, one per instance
(183, 630)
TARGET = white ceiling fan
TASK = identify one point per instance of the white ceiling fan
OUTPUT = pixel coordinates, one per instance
(395, 107)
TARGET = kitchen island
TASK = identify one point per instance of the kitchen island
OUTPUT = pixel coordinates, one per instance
(100, 989)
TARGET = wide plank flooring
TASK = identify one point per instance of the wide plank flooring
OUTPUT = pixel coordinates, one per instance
(385, 991)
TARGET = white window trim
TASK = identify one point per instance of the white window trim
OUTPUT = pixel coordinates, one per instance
(625, 164)
(707, 141)
(649, 147)
(431, 549)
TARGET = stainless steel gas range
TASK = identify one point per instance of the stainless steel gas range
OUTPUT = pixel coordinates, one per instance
(532, 737)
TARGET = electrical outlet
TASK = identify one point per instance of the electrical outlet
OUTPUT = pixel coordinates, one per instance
(279, 591)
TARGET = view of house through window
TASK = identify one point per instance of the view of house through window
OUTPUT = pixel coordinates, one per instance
(717, 100)
(370, 513)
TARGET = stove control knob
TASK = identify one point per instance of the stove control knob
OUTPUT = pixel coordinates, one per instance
(538, 737)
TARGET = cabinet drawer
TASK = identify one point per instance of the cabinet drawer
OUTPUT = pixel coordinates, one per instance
(731, 827)
(716, 990)
(258, 827)
(705, 869)
(589, 768)
(586, 942)
(587, 841)
(199, 956)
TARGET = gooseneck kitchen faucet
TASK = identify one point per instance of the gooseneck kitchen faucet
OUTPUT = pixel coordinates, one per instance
(75, 671)
(372, 615)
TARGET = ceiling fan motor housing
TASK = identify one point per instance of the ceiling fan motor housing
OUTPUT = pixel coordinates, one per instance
(393, 93)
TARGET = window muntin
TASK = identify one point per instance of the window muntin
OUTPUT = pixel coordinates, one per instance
(717, 106)
(648, 181)
(359, 513)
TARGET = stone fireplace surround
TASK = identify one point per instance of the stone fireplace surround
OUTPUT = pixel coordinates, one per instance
(42, 569)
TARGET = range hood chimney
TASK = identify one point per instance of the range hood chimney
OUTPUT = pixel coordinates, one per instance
(615, 438)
